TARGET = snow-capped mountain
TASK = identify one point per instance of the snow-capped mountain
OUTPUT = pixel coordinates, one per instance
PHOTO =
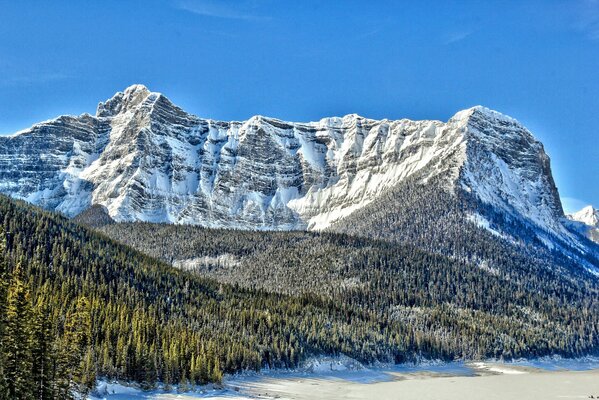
(587, 222)
(143, 158)
(588, 216)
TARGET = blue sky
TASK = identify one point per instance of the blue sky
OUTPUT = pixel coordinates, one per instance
(537, 61)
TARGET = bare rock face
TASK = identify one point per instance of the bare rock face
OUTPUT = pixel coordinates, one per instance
(145, 159)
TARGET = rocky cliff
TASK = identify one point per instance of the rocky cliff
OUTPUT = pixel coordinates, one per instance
(143, 158)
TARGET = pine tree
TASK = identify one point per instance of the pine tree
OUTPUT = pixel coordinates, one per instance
(3, 290)
(42, 351)
(217, 373)
(87, 377)
(16, 342)
(77, 354)
(194, 370)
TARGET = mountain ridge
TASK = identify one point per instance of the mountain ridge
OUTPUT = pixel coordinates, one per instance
(323, 158)
(142, 158)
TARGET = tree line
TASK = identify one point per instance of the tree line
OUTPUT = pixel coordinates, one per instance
(76, 304)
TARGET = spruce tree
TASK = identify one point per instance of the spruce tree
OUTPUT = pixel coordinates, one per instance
(16, 342)
(42, 351)
(3, 290)
(77, 356)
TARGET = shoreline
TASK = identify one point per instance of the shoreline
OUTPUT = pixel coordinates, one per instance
(521, 379)
(498, 386)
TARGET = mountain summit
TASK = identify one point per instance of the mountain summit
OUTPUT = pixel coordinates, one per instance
(145, 159)
(125, 101)
(589, 215)
(587, 222)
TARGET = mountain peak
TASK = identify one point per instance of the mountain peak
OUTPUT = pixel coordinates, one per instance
(137, 88)
(124, 101)
(589, 215)
(144, 158)
(484, 112)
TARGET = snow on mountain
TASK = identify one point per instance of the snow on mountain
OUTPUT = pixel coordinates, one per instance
(507, 167)
(588, 216)
(143, 158)
(586, 221)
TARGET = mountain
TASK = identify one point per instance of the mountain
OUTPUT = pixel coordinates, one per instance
(145, 159)
(380, 240)
(588, 216)
(587, 222)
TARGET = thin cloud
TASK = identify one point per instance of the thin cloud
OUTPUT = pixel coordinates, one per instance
(370, 33)
(457, 36)
(220, 9)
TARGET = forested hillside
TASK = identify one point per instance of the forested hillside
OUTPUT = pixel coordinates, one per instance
(469, 309)
(459, 225)
(75, 304)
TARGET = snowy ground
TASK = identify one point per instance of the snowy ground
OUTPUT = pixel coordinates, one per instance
(344, 378)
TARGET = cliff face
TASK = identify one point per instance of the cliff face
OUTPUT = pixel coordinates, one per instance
(143, 158)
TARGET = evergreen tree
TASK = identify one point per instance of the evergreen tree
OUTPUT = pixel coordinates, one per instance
(3, 290)
(77, 351)
(42, 352)
(18, 360)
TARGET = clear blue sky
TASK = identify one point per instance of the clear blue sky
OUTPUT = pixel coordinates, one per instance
(537, 61)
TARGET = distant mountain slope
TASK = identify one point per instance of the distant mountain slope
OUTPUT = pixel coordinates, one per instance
(520, 307)
(94, 217)
(145, 159)
(586, 221)
(588, 216)
(461, 226)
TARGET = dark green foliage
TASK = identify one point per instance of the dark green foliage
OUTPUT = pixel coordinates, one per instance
(42, 352)
(95, 216)
(3, 290)
(489, 299)
(101, 308)
(92, 307)
(15, 344)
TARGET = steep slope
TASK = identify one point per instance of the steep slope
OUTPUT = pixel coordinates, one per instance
(507, 168)
(145, 159)
(136, 318)
(586, 221)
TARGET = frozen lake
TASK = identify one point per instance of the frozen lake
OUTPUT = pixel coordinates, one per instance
(549, 378)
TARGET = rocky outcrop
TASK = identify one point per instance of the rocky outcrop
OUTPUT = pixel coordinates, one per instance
(143, 158)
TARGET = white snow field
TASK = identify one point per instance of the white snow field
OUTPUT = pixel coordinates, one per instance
(547, 378)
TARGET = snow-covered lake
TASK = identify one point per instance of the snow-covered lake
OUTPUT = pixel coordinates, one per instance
(343, 378)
